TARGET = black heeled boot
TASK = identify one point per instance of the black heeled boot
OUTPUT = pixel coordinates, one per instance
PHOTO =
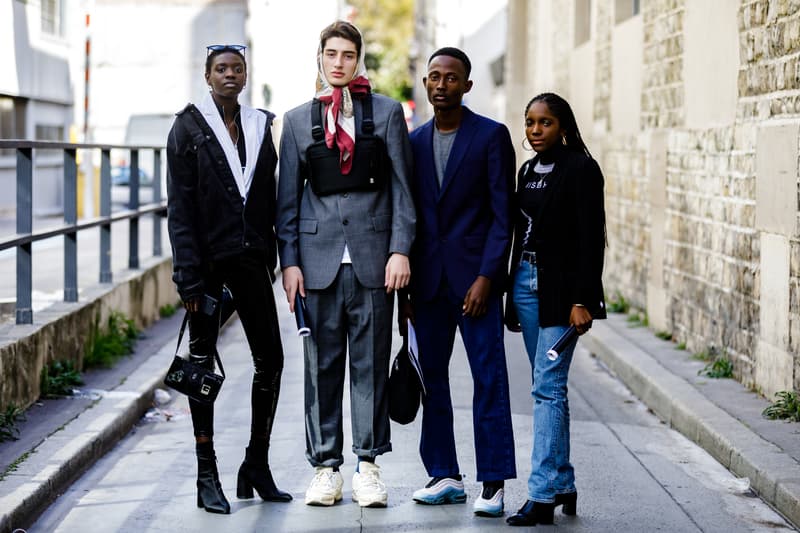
(255, 474)
(209, 489)
(569, 502)
(532, 513)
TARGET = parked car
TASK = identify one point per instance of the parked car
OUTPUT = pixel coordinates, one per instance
(122, 176)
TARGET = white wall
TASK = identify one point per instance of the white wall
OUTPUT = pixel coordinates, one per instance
(483, 46)
(711, 62)
(134, 73)
(285, 36)
(627, 48)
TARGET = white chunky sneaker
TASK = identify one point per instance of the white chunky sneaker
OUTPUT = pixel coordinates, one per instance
(325, 488)
(441, 490)
(492, 506)
(368, 489)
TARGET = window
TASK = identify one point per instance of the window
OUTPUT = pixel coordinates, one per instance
(51, 17)
(12, 120)
(625, 9)
(498, 70)
(583, 21)
(49, 133)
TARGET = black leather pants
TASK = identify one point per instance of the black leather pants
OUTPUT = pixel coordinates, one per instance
(247, 278)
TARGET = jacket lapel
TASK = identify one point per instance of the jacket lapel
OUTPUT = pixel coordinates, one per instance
(466, 131)
(429, 185)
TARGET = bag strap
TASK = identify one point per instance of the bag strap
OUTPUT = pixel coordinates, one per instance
(180, 338)
(316, 120)
(367, 124)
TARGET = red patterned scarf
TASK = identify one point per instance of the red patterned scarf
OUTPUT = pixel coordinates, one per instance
(339, 122)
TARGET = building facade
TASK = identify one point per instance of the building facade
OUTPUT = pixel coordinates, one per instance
(692, 109)
(36, 94)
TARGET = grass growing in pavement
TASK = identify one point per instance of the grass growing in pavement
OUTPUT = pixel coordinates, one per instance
(14, 466)
(718, 368)
(664, 335)
(167, 310)
(786, 407)
(705, 355)
(58, 378)
(8, 422)
(618, 304)
(117, 339)
(637, 319)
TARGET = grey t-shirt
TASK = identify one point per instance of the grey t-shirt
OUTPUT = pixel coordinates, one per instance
(442, 144)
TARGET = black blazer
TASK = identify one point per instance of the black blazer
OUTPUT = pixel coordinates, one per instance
(569, 240)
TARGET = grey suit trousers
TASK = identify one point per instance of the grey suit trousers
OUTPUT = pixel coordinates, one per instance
(347, 315)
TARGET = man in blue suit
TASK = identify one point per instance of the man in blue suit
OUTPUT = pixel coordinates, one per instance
(462, 185)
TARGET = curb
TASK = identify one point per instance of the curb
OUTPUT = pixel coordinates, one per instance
(773, 474)
(66, 454)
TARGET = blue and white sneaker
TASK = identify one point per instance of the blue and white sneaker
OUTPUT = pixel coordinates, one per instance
(489, 504)
(441, 490)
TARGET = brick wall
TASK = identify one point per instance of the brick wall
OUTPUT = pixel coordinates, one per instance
(603, 24)
(627, 219)
(711, 255)
(711, 246)
(662, 92)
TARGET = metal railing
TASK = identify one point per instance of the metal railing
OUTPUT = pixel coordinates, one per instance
(26, 236)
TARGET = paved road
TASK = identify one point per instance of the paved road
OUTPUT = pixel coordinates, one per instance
(633, 473)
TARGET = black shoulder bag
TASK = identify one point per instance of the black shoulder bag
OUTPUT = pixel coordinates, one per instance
(195, 381)
(370, 160)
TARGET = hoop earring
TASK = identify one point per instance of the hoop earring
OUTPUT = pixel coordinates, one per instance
(564, 139)
(528, 148)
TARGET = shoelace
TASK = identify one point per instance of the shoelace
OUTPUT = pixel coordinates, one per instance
(372, 480)
(325, 478)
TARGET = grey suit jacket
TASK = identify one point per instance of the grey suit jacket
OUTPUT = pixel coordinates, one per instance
(312, 230)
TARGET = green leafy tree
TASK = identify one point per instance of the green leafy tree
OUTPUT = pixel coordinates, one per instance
(388, 27)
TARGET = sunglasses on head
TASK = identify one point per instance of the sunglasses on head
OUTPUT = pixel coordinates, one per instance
(220, 47)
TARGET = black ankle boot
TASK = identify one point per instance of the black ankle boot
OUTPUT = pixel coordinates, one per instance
(569, 501)
(532, 513)
(209, 489)
(255, 474)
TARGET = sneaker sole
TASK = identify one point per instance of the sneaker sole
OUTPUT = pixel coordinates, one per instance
(488, 513)
(442, 500)
(323, 502)
(368, 503)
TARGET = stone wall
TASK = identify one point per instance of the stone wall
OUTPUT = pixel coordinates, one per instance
(702, 198)
(627, 219)
(711, 252)
(662, 93)
(63, 331)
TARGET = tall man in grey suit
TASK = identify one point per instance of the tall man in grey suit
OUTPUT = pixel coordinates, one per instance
(345, 225)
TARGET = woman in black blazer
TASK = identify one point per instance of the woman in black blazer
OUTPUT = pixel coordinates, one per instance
(557, 264)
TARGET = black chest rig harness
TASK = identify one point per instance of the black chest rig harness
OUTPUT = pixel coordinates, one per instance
(370, 168)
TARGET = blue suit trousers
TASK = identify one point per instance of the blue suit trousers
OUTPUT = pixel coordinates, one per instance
(435, 322)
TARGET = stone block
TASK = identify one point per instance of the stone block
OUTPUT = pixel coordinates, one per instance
(776, 178)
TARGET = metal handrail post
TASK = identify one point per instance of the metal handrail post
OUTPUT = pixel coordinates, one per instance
(24, 226)
(156, 198)
(105, 210)
(133, 228)
(71, 217)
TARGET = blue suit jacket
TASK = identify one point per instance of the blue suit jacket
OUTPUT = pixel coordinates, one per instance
(463, 227)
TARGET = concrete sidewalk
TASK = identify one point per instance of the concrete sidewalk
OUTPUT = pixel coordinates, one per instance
(720, 415)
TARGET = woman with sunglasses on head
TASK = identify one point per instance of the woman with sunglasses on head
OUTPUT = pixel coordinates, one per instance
(220, 214)
(557, 264)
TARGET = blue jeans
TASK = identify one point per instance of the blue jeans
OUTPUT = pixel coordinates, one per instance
(551, 471)
(436, 322)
